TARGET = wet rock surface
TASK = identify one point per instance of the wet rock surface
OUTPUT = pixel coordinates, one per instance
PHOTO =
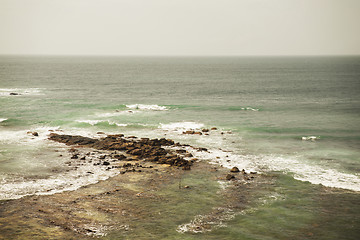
(144, 148)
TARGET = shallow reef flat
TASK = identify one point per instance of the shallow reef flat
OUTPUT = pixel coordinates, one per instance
(159, 190)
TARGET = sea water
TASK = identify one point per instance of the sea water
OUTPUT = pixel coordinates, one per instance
(295, 117)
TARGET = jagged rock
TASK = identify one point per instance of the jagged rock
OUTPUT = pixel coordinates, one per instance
(72, 140)
(181, 151)
(229, 177)
(234, 169)
(202, 149)
(147, 149)
(137, 152)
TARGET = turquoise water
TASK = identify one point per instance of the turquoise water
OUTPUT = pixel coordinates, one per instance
(263, 106)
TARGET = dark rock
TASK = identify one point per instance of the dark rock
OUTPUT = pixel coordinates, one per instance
(205, 130)
(189, 132)
(188, 155)
(119, 156)
(229, 177)
(202, 149)
(145, 148)
(36, 134)
(83, 158)
(14, 94)
(192, 132)
(75, 156)
(181, 151)
(153, 159)
(213, 128)
(100, 133)
(186, 167)
(106, 163)
(234, 169)
(136, 151)
(72, 140)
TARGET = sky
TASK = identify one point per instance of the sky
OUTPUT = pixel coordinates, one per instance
(180, 27)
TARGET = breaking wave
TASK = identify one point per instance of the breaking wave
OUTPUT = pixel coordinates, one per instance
(147, 107)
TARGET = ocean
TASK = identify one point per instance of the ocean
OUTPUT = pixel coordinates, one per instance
(296, 118)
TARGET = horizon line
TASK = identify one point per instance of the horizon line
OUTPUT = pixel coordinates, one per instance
(179, 55)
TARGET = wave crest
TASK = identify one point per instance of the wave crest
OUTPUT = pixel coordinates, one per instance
(147, 107)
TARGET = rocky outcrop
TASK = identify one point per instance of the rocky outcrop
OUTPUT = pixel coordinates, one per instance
(141, 149)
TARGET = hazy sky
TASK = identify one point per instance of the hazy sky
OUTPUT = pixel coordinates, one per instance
(180, 27)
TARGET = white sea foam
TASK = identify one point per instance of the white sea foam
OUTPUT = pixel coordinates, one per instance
(206, 223)
(3, 119)
(24, 137)
(117, 113)
(94, 122)
(20, 91)
(300, 168)
(312, 173)
(147, 107)
(181, 126)
(250, 108)
(68, 181)
(225, 158)
(310, 138)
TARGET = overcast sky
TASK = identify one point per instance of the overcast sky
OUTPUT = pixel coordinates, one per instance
(180, 27)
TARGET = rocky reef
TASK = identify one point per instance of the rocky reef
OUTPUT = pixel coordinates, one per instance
(135, 149)
(153, 180)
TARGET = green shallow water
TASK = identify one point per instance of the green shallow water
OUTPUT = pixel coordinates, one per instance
(278, 208)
